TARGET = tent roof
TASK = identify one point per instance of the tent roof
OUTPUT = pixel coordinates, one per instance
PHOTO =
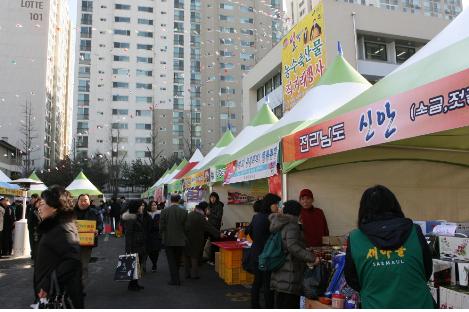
(195, 159)
(322, 99)
(81, 185)
(4, 177)
(443, 56)
(260, 124)
(226, 139)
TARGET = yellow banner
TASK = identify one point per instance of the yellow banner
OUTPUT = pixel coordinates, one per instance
(7, 191)
(86, 239)
(197, 179)
(303, 57)
(86, 226)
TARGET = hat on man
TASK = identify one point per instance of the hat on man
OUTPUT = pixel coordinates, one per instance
(2, 198)
(306, 192)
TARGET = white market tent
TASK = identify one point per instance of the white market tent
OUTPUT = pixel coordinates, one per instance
(81, 185)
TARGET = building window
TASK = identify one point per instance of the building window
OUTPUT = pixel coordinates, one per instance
(87, 19)
(146, 34)
(121, 45)
(179, 39)
(146, 73)
(120, 71)
(144, 113)
(227, 30)
(83, 99)
(452, 8)
(178, 15)
(141, 59)
(246, 20)
(121, 58)
(260, 93)
(144, 99)
(246, 67)
(179, 4)
(227, 41)
(143, 21)
(226, 90)
(122, 6)
(145, 9)
(124, 112)
(121, 19)
(375, 51)
(86, 31)
(277, 80)
(247, 32)
(178, 64)
(142, 126)
(144, 46)
(120, 98)
(147, 86)
(85, 45)
(403, 53)
(120, 85)
(246, 56)
(84, 85)
(226, 6)
(226, 18)
(389, 4)
(86, 6)
(143, 140)
(225, 103)
(246, 9)
(226, 53)
(226, 78)
(122, 32)
(226, 65)
(247, 43)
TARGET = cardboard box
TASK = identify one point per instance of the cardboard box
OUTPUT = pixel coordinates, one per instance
(334, 240)
(454, 248)
(453, 298)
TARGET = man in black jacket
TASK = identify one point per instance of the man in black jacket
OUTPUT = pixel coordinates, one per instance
(32, 215)
(8, 227)
(83, 212)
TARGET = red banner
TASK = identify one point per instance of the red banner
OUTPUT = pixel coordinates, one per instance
(438, 106)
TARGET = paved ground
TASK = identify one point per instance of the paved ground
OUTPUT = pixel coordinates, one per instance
(102, 292)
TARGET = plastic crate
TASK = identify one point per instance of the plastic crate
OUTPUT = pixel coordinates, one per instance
(232, 275)
(232, 258)
(246, 278)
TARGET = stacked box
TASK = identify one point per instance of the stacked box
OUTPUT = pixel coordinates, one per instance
(232, 258)
(232, 275)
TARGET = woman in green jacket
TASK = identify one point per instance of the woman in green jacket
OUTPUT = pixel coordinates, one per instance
(388, 260)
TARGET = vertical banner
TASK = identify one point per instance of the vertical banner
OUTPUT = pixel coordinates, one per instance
(303, 56)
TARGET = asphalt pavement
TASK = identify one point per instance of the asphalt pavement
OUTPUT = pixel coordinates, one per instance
(209, 292)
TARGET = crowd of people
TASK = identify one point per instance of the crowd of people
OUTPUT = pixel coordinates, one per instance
(149, 228)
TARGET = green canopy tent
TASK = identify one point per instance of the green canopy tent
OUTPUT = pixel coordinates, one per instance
(410, 132)
(36, 188)
(81, 185)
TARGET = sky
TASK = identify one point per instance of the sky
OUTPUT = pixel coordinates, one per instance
(73, 10)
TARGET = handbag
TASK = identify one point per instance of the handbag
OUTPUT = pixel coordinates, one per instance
(127, 268)
(56, 299)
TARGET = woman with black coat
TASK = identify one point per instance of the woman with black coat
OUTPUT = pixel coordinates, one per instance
(135, 234)
(215, 216)
(260, 232)
(58, 249)
(152, 235)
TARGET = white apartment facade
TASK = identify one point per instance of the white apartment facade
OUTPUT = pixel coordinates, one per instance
(35, 66)
(133, 77)
(376, 39)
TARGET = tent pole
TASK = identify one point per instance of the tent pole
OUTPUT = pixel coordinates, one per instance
(284, 187)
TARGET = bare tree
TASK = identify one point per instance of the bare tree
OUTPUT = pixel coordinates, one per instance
(115, 163)
(29, 136)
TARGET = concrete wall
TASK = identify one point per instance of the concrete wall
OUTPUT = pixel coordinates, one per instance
(425, 190)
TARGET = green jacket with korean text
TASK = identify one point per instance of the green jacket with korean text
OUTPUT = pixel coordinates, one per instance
(390, 278)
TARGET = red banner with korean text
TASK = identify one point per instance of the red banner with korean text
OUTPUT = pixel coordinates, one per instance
(438, 106)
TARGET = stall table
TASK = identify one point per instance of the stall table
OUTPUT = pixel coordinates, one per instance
(230, 259)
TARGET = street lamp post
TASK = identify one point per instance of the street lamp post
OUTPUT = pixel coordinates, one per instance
(21, 236)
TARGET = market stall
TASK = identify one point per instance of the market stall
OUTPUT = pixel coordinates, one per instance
(409, 132)
(8, 189)
(36, 188)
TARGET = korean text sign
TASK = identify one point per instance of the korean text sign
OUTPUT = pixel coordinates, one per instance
(303, 56)
(437, 106)
(258, 165)
(86, 232)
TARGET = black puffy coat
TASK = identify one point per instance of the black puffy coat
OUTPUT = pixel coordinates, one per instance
(259, 232)
(59, 250)
(134, 228)
(152, 232)
(196, 227)
(216, 214)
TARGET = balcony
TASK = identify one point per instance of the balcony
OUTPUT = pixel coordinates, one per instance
(83, 116)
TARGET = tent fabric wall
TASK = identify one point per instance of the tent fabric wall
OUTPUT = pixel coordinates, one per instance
(426, 190)
(232, 213)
